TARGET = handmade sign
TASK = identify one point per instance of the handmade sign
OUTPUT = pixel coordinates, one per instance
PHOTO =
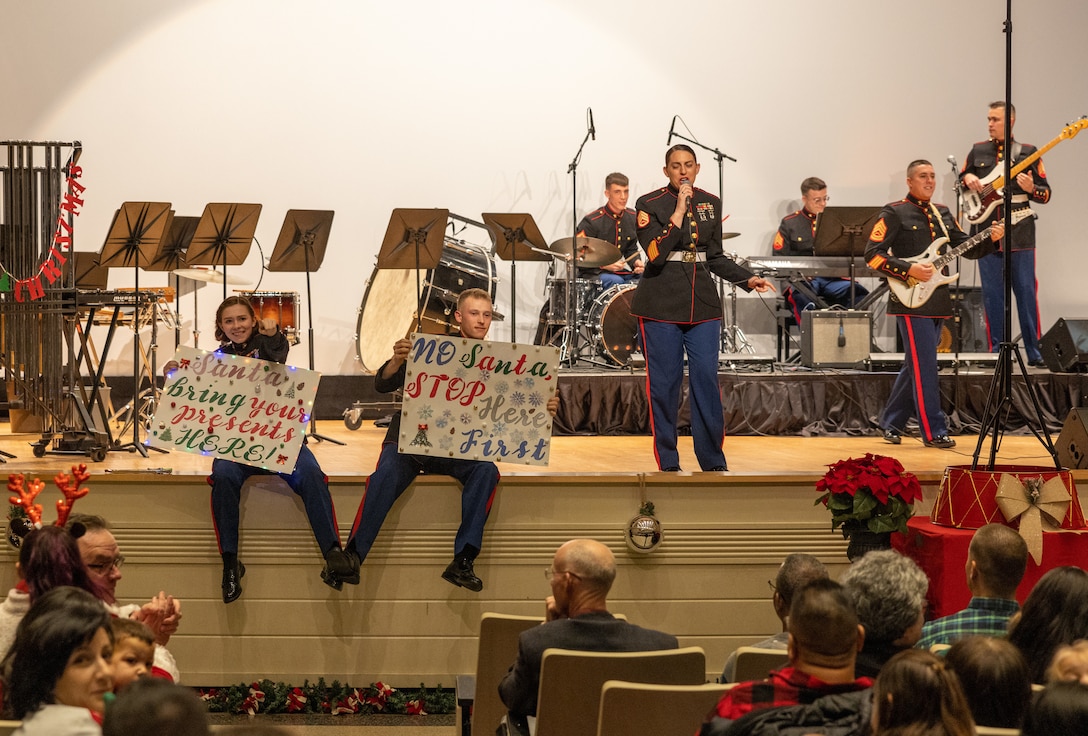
(247, 410)
(478, 400)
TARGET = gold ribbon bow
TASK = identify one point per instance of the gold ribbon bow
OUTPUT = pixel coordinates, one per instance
(1038, 504)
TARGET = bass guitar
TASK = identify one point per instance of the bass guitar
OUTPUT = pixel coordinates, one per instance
(979, 205)
(914, 293)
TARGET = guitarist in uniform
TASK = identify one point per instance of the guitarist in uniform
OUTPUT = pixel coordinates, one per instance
(907, 228)
(1030, 185)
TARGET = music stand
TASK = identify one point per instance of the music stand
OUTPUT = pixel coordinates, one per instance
(301, 247)
(844, 231)
(516, 237)
(170, 256)
(414, 239)
(133, 236)
(223, 236)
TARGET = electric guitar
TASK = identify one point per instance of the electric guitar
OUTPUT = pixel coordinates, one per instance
(979, 205)
(913, 293)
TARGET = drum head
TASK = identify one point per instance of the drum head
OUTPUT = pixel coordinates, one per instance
(387, 315)
(618, 329)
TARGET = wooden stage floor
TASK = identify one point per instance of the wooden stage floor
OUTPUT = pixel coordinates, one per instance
(579, 455)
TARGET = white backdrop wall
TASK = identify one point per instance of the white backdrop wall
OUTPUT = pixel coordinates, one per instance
(479, 106)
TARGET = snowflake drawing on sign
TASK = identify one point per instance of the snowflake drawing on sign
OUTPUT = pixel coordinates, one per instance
(421, 437)
(426, 412)
(466, 418)
(441, 422)
(484, 375)
(529, 382)
(447, 414)
(502, 387)
(498, 428)
(517, 398)
(517, 437)
(460, 372)
(446, 442)
(535, 399)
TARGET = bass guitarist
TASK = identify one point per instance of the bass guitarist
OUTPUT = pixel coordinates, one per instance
(905, 229)
(1030, 185)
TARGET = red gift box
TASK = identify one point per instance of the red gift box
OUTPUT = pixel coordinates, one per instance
(967, 498)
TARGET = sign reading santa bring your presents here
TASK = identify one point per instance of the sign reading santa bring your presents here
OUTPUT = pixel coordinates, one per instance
(247, 410)
(478, 400)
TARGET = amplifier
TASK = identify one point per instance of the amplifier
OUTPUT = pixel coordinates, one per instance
(835, 338)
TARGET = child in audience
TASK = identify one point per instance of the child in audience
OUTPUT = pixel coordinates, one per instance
(1070, 664)
(133, 652)
(916, 694)
(58, 670)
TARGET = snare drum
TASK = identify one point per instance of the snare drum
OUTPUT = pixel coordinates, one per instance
(586, 290)
(281, 306)
(389, 308)
(617, 329)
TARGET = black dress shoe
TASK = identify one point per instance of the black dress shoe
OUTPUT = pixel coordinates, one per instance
(460, 572)
(232, 581)
(718, 469)
(340, 567)
(1039, 363)
(941, 441)
(892, 436)
(672, 469)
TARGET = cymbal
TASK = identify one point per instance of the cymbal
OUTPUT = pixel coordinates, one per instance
(587, 252)
(727, 236)
(208, 276)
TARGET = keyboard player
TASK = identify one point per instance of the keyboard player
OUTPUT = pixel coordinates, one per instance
(795, 237)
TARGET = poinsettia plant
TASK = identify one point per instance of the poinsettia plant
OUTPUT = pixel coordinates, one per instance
(872, 492)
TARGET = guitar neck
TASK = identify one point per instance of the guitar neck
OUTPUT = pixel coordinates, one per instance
(942, 261)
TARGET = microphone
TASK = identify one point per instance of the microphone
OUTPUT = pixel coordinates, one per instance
(686, 181)
(952, 160)
(592, 128)
(672, 127)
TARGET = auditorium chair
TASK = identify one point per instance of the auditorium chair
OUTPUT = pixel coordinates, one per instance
(662, 710)
(754, 663)
(496, 651)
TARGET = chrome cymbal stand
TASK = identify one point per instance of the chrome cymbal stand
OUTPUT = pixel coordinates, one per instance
(733, 338)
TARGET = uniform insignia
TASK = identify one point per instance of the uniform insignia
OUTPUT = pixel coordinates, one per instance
(705, 210)
(652, 252)
(879, 231)
(643, 218)
(778, 243)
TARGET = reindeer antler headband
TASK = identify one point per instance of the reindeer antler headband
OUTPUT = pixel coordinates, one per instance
(27, 492)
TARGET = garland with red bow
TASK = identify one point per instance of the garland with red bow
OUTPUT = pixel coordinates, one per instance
(266, 696)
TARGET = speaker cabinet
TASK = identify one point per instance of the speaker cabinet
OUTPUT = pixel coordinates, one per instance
(835, 338)
(1073, 440)
(1065, 346)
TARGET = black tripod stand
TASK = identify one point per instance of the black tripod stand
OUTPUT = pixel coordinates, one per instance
(999, 400)
(301, 247)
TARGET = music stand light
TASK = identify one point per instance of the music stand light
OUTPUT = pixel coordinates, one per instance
(133, 237)
(844, 231)
(414, 239)
(301, 245)
(223, 236)
(516, 237)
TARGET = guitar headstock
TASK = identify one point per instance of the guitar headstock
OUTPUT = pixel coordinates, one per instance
(1074, 127)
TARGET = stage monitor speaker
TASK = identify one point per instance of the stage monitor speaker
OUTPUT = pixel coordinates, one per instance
(835, 338)
(1065, 346)
(1073, 440)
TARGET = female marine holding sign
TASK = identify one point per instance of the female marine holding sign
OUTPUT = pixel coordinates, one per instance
(240, 332)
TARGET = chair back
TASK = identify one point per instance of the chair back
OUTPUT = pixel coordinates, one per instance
(754, 663)
(662, 710)
(571, 681)
(9, 727)
(995, 731)
(497, 650)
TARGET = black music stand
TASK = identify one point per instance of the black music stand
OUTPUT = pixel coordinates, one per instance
(414, 239)
(301, 247)
(134, 235)
(516, 237)
(170, 256)
(223, 236)
(844, 231)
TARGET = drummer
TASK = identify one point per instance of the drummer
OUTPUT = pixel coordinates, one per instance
(614, 223)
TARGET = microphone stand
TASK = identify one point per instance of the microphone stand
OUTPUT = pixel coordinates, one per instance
(720, 158)
(570, 343)
(958, 293)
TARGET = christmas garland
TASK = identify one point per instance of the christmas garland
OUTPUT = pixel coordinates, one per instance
(266, 696)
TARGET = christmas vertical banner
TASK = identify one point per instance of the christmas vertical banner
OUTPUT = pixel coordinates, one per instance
(478, 400)
(247, 410)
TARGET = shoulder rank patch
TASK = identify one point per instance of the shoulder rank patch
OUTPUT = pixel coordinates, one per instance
(778, 242)
(643, 218)
(879, 231)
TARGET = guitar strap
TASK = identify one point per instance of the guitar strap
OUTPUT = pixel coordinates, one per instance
(940, 220)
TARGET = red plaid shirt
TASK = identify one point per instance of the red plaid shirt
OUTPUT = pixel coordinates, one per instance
(787, 686)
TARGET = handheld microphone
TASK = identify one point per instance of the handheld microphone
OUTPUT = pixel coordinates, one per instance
(952, 160)
(686, 181)
(592, 127)
(672, 127)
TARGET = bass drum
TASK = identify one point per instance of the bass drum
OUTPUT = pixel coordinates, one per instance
(389, 308)
(617, 328)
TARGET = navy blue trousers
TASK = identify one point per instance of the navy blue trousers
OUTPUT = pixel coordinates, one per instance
(916, 391)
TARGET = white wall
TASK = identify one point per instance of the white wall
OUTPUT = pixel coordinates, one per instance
(479, 106)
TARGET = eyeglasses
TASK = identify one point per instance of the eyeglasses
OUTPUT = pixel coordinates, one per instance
(550, 572)
(771, 583)
(103, 567)
(821, 200)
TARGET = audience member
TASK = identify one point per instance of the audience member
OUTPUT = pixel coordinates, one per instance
(889, 592)
(916, 694)
(48, 558)
(102, 556)
(57, 673)
(133, 652)
(824, 639)
(1055, 613)
(1070, 663)
(151, 707)
(996, 560)
(1061, 709)
(577, 617)
(796, 571)
(995, 680)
